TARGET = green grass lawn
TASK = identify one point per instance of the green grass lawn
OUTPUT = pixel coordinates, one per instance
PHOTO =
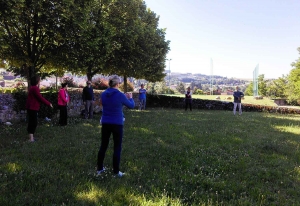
(248, 99)
(171, 157)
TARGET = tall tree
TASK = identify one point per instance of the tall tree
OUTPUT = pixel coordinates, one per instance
(140, 46)
(293, 87)
(277, 87)
(249, 90)
(91, 43)
(262, 85)
(181, 88)
(31, 33)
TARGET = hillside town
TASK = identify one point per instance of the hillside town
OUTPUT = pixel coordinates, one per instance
(171, 82)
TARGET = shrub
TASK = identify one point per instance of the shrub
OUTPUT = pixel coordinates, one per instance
(198, 91)
(19, 85)
(69, 81)
(99, 83)
(130, 87)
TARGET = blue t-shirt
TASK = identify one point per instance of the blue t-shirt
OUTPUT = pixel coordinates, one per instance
(237, 96)
(112, 102)
(142, 93)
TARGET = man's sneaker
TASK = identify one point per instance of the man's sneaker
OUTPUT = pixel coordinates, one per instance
(120, 174)
(99, 172)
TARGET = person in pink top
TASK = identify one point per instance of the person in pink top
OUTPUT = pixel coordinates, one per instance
(34, 99)
(63, 100)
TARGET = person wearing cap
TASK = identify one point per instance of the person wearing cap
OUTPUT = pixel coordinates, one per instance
(237, 101)
(112, 121)
(88, 100)
(142, 97)
(63, 100)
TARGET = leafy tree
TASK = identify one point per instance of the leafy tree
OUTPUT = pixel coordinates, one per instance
(198, 91)
(32, 34)
(158, 88)
(140, 47)
(90, 42)
(69, 81)
(249, 90)
(293, 86)
(181, 88)
(262, 86)
(277, 87)
(130, 87)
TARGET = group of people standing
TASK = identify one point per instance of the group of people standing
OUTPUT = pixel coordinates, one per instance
(237, 100)
(112, 119)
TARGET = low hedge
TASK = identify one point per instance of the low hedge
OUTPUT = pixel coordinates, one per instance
(178, 102)
(160, 101)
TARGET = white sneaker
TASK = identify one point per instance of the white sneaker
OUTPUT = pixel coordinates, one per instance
(99, 172)
(120, 174)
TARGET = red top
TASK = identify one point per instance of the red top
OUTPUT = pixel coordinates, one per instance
(35, 98)
(63, 97)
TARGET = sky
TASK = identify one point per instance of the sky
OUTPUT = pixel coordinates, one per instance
(230, 38)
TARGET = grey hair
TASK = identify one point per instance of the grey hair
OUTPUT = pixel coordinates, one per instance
(113, 81)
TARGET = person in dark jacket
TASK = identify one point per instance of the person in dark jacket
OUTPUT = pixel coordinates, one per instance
(33, 102)
(112, 123)
(188, 99)
(237, 95)
(88, 100)
(63, 100)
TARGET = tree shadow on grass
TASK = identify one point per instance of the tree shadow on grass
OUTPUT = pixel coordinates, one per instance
(170, 156)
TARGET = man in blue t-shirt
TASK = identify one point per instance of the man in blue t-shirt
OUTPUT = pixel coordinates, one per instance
(142, 97)
(238, 95)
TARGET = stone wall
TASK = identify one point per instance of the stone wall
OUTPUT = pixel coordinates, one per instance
(75, 106)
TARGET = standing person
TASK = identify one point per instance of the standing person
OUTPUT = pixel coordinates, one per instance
(63, 100)
(188, 99)
(237, 100)
(33, 102)
(142, 97)
(112, 123)
(88, 100)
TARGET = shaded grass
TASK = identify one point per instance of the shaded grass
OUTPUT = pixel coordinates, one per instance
(171, 157)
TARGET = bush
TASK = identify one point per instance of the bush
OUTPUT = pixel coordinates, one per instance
(130, 87)
(69, 81)
(198, 91)
(7, 90)
(19, 85)
(99, 83)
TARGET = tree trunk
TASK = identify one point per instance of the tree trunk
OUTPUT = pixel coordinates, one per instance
(89, 74)
(29, 73)
(125, 83)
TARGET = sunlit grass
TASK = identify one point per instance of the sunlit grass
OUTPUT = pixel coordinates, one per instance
(170, 157)
(247, 99)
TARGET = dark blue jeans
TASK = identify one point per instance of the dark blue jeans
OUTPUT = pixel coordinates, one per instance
(117, 132)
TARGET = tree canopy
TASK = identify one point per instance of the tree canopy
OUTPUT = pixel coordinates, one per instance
(83, 37)
(293, 86)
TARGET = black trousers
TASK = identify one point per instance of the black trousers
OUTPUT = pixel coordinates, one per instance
(188, 102)
(117, 132)
(63, 115)
(32, 121)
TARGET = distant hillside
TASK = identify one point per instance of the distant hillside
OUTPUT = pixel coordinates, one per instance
(205, 79)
